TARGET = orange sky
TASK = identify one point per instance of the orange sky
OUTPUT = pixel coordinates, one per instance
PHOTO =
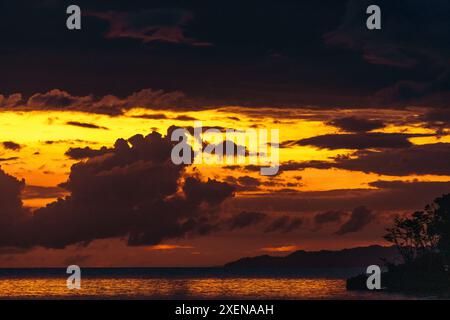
(45, 136)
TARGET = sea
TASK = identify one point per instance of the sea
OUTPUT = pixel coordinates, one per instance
(188, 283)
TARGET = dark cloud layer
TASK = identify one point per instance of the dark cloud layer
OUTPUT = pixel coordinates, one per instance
(354, 124)
(358, 141)
(289, 53)
(56, 99)
(416, 159)
(383, 196)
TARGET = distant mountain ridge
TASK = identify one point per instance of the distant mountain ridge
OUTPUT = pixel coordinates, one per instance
(346, 258)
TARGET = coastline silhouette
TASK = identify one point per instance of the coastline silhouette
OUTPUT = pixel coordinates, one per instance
(423, 241)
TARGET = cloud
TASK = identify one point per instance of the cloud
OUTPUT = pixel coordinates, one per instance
(162, 116)
(245, 219)
(11, 145)
(360, 217)
(333, 216)
(394, 48)
(8, 159)
(244, 183)
(357, 141)
(437, 118)
(284, 224)
(416, 159)
(381, 196)
(85, 125)
(157, 25)
(212, 191)
(12, 213)
(156, 116)
(86, 152)
(61, 100)
(134, 192)
(33, 192)
(354, 124)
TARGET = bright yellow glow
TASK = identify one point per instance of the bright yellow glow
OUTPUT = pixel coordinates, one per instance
(44, 138)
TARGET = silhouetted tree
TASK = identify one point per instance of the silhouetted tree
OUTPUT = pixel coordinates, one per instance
(441, 210)
(424, 233)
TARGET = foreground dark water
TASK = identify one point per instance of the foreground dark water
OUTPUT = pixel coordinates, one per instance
(184, 283)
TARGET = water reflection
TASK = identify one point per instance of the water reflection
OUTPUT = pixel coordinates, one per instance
(205, 288)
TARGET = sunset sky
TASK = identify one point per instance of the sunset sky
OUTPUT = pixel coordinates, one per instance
(86, 176)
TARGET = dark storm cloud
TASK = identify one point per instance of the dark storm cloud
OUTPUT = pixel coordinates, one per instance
(11, 145)
(354, 124)
(284, 224)
(357, 141)
(288, 53)
(85, 125)
(360, 217)
(132, 192)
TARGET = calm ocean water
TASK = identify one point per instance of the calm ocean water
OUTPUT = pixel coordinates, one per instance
(183, 283)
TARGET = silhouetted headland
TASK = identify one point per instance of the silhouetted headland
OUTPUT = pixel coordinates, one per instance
(346, 258)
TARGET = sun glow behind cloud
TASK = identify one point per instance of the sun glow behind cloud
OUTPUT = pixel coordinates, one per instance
(44, 138)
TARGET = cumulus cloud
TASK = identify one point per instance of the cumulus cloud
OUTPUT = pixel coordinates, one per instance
(360, 217)
(134, 192)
